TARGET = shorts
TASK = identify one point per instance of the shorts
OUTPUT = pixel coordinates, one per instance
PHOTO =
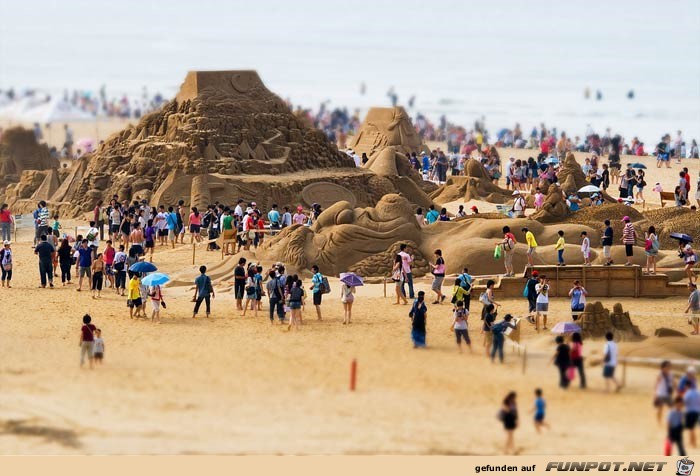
(155, 304)
(134, 302)
(629, 251)
(109, 270)
(651, 252)
(661, 401)
(531, 251)
(294, 304)
(239, 288)
(114, 229)
(85, 272)
(163, 232)
(508, 258)
(608, 371)
(695, 319)
(462, 334)
(171, 235)
(317, 298)
(98, 355)
(691, 419)
(150, 244)
(437, 283)
(195, 228)
(606, 251)
(539, 417)
(586, 254)
(488, 338)
(542, 307)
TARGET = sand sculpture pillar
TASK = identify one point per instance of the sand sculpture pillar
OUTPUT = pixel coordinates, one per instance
(200, 196)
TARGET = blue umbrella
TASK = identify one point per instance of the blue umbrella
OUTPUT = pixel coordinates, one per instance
(565, 328)
(155, 279)
(637, 165)
(143, 267)
(351, 279)
(552, 160)
(681, 237)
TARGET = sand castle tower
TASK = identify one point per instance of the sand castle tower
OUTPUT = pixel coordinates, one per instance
(596, 321)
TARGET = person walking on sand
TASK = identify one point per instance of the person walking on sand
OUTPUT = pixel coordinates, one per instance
(607, 243)
(418, 315)
(171, 224)
(156, 295)
(651, 249)
(509, 417)
(98, 269)
(406, 260)
(610, 362)
(690, 259)
(134, 300)
(530, 292)
(398, 277)
(6, 263)
(560, 248)
(84, 264)
(98, 347)
(487, 298)
(438, 271)
(629, 236)
(531, 246)
(663, 390)
(691, 400)
(586, 248)
(250, 294)
(347, 297)
(694, 308)
(295, 302)
(542, 303)
(195, 225)
(7, 219)
(498, 333)
(275, 295)
(562, 359)
(489, 317)
(508, 245)
(87, 339)
(204, 291)
(239, 279)
(45, 251)
(317, 289)
(577, 357)
(539, 411)
(120, 259)
(460, 326)
(149, 235)
(675, 425)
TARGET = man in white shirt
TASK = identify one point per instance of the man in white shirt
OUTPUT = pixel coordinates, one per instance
(238, 211)
(406, 261)
(610, 362)
(160, 223)
(508, 171)
(93, 236)
(519, 205)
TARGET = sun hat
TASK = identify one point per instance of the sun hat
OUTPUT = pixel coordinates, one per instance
(516, 192)
(625, 218)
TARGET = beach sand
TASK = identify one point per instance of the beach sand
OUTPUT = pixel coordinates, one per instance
(241, 386)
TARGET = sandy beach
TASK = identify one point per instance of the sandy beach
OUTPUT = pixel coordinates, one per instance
(241, 386)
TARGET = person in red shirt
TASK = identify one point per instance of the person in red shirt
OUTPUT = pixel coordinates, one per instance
(6, 220)
(687, 181)
(260, 225)
(87, 339)
(108, 257)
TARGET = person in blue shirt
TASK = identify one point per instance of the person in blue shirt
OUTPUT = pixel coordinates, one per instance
(274, 218)
(84, 263)
(539, 410)
(203, 291)
(432, 215)
(426, 163)
(171, 223)
(465, 281)
(317, 280)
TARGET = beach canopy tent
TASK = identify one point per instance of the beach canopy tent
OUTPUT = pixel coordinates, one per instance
(55, 110)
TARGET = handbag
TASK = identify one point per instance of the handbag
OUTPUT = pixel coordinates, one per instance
(162, 303)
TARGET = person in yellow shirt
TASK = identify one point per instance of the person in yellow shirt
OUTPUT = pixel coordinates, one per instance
(560, 248)
(531, 245)
(134, 296)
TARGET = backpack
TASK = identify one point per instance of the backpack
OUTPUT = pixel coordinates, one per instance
(277, 290)
(526, 290)
(295, 294)
(498, 328)
(464, 283)
(325, 286)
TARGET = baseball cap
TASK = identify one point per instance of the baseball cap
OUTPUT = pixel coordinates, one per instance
(535, 273)
(625, 218)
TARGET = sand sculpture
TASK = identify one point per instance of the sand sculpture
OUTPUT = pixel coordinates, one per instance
(554, 209)
(19, 151)
(475, 184)
(386, 127)
(596, 321)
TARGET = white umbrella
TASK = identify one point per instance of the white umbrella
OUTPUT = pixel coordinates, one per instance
(589, 189)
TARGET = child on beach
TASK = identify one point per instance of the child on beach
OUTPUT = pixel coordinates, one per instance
(418, 315)
(539, 410)
(560, 248)
(607, 243)
(539, 199)
(87, 339)
(459, 325)
(250, 295)
(98, 346)
(6, 263)
(156, 295)
(295, 302)
(675, 425)
(56, 227)
(663, 390)
(586, 249)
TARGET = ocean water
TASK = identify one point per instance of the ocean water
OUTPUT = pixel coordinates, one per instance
(508, 61)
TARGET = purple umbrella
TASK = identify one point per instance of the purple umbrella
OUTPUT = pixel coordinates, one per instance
(351, 279)
(565, 328)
